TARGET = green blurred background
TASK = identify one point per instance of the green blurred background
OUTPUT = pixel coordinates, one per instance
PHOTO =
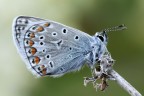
(126, 47)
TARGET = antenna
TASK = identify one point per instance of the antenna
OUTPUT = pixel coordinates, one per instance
(116, 28)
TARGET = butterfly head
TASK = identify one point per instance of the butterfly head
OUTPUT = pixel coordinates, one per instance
(102, 36)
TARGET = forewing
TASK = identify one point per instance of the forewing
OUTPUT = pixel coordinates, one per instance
(48, 47)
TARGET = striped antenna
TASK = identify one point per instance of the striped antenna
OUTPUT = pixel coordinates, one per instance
(116, 28)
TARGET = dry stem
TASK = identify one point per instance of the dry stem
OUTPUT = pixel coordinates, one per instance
(105, 72)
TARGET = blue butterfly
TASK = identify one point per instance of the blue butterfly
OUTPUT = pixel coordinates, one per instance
(53, 49)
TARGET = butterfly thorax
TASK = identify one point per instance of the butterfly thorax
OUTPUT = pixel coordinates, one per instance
(98, 49)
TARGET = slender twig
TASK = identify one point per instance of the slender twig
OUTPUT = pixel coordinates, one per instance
(124, 84)
(105, 72)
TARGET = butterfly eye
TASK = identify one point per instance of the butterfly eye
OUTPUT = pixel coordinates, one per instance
(101, 38)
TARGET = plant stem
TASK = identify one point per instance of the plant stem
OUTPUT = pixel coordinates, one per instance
(124, 84)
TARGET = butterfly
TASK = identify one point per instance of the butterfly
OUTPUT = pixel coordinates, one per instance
(52, 49)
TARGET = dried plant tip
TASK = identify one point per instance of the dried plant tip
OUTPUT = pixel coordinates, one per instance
(104, 84)
(101, 72)
(105, 73)
(87, 80)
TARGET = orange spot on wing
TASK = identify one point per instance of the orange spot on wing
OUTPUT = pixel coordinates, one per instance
(43, 70)
(39, 29)
(36, 60)
(32, 35)
(33, 51)
(30, 42)
(42, 66)
(46, 24)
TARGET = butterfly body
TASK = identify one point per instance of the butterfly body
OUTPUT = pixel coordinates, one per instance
(53, 49)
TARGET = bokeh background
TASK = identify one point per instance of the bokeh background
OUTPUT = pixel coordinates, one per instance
(90, 16)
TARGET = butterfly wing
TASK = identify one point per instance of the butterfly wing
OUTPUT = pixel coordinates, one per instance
(48, 47)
